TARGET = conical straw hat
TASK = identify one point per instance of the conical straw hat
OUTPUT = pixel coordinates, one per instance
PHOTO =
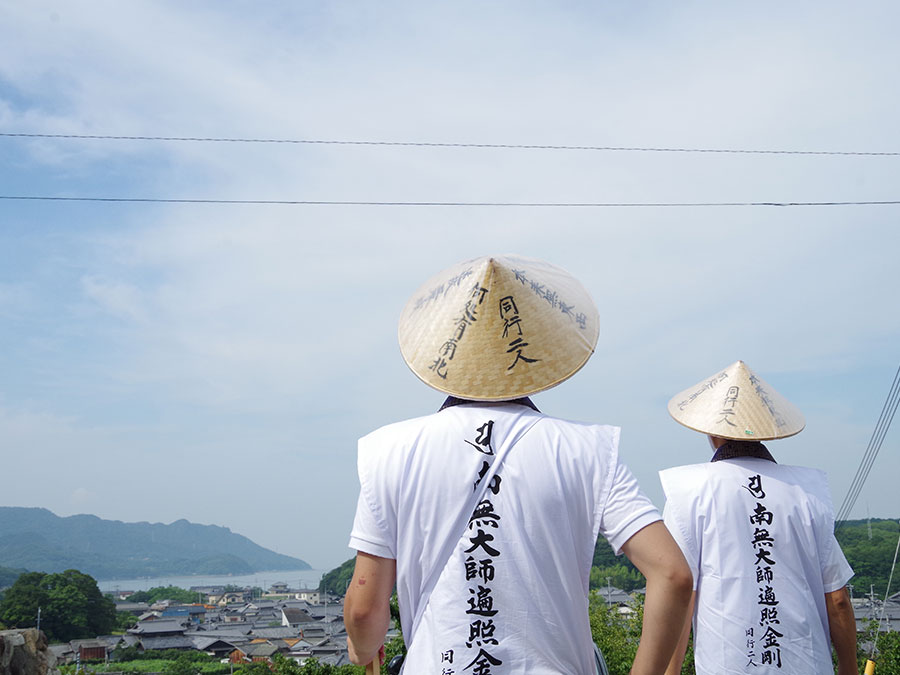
(497, 328)
(737, 404)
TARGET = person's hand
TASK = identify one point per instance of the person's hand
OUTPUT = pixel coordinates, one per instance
(374, 666)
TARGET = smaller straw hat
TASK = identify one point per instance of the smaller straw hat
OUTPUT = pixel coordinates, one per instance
(736, 404)
(498, 328)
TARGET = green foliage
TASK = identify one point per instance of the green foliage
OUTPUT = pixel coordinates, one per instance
(256, 668)
(180, 666)
(619, 569)
(887, 653)
(282, 665)
(604, 556)
(615, 633)
(870, 558)
(337, 580)
(175, 654)
(121, 653)
(887, 658)
(687, 666)
(173, 593)
(619, 576)
(124, 621)
(71, 605)
(393, 647)
(162, 661)
(8, 576)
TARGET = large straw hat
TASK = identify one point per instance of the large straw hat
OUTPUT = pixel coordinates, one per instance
(737, 404)
(497, 328)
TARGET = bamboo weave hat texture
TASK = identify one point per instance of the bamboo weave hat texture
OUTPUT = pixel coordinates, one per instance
(497, 328)
(736, 404)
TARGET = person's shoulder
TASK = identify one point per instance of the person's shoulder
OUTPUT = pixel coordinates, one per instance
(804, 470)
(400, 428)
(688, 469)
(579, 426)
(812, 480)
(684, 479)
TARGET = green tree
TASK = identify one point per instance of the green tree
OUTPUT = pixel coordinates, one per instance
(887, 656)
(337, 580)
(130, 653)
(124, 621)
(9, 575)
(618, 576)
(182, 665)
(255, 668)
(284, 666)
(616, 634)
(173, 593)
(887, 651)
(870, 558)
(71, 605)
(605, 557)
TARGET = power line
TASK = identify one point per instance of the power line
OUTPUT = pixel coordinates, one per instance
(428, 144)
(319, 202)
(862, 473)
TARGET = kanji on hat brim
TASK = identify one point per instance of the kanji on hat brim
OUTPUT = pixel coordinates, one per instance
(736, 404)
(498, 328)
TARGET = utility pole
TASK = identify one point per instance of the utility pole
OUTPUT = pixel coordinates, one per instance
(39, 619)
(608, 592)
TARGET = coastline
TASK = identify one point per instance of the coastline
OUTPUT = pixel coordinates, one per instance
(263, 579)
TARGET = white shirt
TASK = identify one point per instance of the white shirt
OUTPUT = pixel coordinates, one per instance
(759, 538)
(513, 597)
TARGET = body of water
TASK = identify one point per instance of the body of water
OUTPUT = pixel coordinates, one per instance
(293, 578)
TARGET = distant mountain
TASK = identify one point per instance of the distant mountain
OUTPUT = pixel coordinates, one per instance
(39, 540)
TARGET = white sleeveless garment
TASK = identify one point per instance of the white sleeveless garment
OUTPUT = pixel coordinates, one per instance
(513, 598)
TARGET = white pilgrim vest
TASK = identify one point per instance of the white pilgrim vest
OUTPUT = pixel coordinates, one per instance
(513, 599)
(759, 538)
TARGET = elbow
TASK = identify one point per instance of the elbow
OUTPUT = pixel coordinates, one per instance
(362, 617)
(684, 581)
(677, 576)
(842, 602)
(838, 605)
(359, 616)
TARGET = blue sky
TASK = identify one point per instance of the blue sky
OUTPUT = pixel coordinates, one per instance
(218, 362)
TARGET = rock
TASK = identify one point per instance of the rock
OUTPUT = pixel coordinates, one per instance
(24, 652)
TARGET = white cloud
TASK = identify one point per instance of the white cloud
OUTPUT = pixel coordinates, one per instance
(118, 299)
(213, 337)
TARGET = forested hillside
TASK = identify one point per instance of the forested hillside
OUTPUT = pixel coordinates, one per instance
(39, 540)
(8, 576)
(870, 558)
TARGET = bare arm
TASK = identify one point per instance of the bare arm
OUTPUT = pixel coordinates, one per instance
(842, 625)
(678, 657)
(367, 612)
(669, 584)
